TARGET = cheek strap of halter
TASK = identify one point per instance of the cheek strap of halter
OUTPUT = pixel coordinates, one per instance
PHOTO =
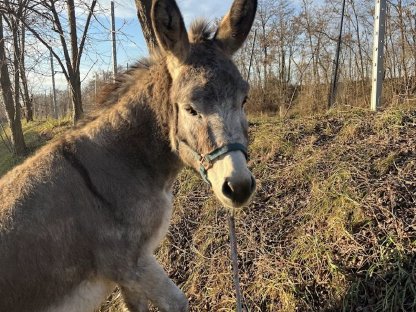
(206, 161)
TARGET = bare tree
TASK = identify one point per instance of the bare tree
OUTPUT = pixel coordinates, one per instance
(11, 101)
(143, 12)
(266, 14)
(291, 60)
(50, 11)
(27, 99)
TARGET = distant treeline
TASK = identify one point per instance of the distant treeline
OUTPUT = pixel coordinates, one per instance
(293, 56)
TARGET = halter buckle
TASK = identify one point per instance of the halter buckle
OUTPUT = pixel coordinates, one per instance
(205, 162)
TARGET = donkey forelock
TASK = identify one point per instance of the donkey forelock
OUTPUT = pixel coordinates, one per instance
(200, 30)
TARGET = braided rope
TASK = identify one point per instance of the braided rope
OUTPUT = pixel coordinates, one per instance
(234, 259)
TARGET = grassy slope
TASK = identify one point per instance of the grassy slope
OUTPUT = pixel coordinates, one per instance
(36, 134)
(332, 227)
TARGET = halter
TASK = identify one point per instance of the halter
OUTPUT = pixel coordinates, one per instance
(206, 161)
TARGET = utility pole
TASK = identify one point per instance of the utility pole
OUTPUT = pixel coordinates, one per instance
(113, 40)
(334, 84)
(55, 109)
(95, 87)
(378, 54)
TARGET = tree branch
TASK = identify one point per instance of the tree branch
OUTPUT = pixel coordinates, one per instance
(84, 35)
(57, 22)
(48, 46)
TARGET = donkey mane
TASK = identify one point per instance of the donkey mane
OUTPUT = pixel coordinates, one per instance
(111, 92)
(200, 31)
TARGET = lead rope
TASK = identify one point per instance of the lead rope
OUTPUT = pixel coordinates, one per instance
(205, 162)
(234, 259)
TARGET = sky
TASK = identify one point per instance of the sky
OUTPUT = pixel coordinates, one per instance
(130, 42)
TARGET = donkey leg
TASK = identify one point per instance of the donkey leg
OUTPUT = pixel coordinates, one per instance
(135, 301)
(149, 279)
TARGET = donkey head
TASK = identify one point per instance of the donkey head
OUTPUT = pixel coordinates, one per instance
(208, 128)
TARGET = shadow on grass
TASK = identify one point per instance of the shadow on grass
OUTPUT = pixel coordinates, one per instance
(8, 160)
(387, 288)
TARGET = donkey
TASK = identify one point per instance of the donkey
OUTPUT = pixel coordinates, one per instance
(86, 212)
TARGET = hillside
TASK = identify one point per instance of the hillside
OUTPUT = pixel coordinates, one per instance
(332, 227)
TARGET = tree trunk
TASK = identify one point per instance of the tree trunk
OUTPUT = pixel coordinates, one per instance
(144, 14)
(414, 52)
(12, 110)
(289, 66)
(76, 98)
(265, 55)
(389, 39)
(74, 74)
(359, 45)
(402, 29)
(26, 97)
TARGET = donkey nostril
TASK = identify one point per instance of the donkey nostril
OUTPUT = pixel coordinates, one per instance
(227, 189)
(239, 192)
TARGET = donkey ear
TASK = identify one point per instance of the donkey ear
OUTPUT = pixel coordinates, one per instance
(235, 26)
(169, 28)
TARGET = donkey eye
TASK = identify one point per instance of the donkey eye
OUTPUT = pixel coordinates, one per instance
(191, 111)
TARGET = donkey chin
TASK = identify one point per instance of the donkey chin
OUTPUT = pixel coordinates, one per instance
(231, 180)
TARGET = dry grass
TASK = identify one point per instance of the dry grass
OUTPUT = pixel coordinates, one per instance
(332, 227)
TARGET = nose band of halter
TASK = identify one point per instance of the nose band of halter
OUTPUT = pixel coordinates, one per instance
(206, 161)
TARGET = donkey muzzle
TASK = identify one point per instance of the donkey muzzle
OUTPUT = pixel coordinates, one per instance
(239, 191)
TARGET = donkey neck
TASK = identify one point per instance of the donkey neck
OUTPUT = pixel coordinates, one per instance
(136, 128)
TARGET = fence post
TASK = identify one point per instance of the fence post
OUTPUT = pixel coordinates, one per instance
(378, 53)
